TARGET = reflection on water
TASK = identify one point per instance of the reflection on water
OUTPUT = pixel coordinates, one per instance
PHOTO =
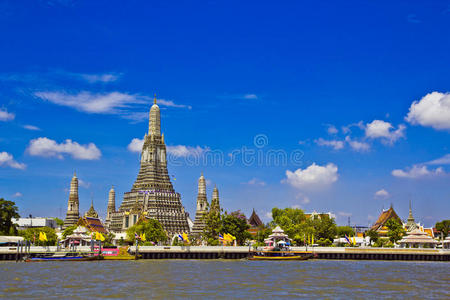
(225, 279)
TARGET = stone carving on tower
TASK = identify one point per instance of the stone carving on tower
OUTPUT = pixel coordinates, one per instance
(215, 203)
(73, 214)
(91, 213)
(111, 208)
(202, 207)
(410, 223)
(152, 190)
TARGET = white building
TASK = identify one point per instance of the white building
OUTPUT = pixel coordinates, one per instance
(24, 223)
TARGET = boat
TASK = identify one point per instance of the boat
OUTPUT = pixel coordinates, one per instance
(278, 248)
(117, 254)
(280, 255)
(63, 256)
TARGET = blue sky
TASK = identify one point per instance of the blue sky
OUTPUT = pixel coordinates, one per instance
(353, 99)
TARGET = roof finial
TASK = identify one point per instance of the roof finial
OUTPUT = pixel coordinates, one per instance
(154, 100)
(74, 173)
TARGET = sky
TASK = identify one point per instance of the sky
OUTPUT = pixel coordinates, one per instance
(327, 106)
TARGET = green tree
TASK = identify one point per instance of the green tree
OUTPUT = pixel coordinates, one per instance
(324, 229)
(293, 222)
(152, 228)
(395, 230)
(213, 225)
(262, 234)
(68, 231)
(373, 235)
(8, 211)
(444, 227)
(59, 222)
(236, 224)
(32, 234)
(342, 231)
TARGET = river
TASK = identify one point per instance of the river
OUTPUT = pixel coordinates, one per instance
(225, 279)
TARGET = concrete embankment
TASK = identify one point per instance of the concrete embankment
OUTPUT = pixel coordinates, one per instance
(219, 252)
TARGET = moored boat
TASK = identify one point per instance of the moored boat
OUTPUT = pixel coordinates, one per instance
(63, 256)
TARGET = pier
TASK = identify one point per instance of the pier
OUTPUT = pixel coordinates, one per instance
(219, 252)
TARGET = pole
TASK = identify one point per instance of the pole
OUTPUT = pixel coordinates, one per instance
(136, 255)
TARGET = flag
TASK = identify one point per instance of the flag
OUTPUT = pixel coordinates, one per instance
(348, 240)
(220, 237)
(185, 237)
(42, 236)
(136, 236)
(180, 237)
(354, 241)
(143, 237)
(312, 239)
(99, 236)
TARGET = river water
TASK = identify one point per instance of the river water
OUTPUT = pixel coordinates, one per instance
(225, 279)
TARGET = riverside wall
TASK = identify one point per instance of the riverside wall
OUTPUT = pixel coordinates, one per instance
(219, 252)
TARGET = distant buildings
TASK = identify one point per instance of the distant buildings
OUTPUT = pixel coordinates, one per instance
(24, 223)
(255, 223)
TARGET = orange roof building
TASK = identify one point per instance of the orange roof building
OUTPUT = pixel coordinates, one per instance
(255, 223)
(380, 225)
(93, 224)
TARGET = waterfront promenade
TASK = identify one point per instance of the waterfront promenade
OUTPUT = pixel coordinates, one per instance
(219, 252)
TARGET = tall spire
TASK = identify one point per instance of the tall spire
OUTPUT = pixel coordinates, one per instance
(202, 204)
(202, 185)
(215, 203)
(73, 203)
(154, 126)
(410, 223)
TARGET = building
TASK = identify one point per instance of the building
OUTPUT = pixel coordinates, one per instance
(215, 202)
(417, 239)
(24, 223)
(315, 215)
(380, 225)
(255, 223)
(111, 208)
(73, 204)
(202, 207)
(152, 193)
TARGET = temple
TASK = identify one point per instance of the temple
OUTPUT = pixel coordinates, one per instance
(202, 207)
(152, 194)
(380, 224)
(255, 223)
(410, 222)
(73, 214)
(111, 209)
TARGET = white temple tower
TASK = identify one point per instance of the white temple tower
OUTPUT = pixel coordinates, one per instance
(73, 214)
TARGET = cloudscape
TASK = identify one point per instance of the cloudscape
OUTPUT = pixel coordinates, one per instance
(330, 109)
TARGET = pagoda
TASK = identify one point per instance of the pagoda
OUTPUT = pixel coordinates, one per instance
(73, 204)
(152, 194)
(202, 207)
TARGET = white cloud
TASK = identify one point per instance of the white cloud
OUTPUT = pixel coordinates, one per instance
(17, 195)
(269, 215)
(344, 214)
(444, 160)
(384, 130)
(255, 181)
(49, 148)
(184, 151)
(83, 183)
(105, 78)
(382, 194)
(31, 127)
(6, 116)
(347, 129)
(356, 145)
(313, 176)
(433, 110)
(418, 172)
(335, 144)
(250, 96)
(7, 160)
(135, 145)
(109, 103)
(170, 103)
(332, 129)
(303, 199)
